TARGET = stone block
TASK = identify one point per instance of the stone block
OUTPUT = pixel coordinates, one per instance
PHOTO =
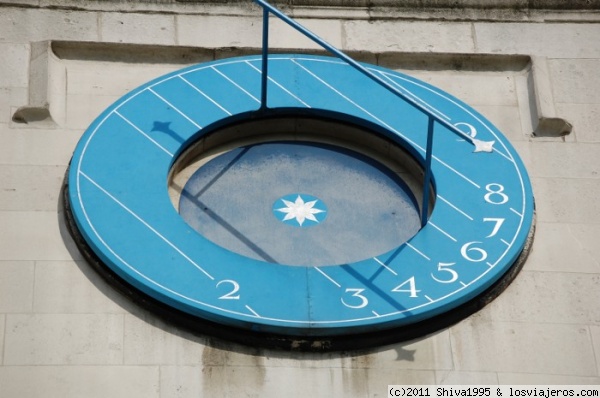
(585, 119)
(39, 24)
(545, 379)
(595, 330)
(170, 346)
(547, 39)
(37, 147)
(35, 235)
(523, 347)
(267, 382)
(16, 286)
(87, 292)
(564, 160)
(27, 187)
(14, 65)
(138, 28)
(575, 81)
(408, 36)
(79, 381)
(452, 377)
(211, 31)
(283, 36)
(550, 297)
(567, 200)
(565, 248)
(60, 339)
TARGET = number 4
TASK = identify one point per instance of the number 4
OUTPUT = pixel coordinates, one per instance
(412, 289)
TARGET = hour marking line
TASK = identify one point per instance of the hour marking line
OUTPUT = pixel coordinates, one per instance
(142, 133)
(204, 94)
(168, 242)
(386, 125)
(280, 86)
(516, 212)
(442, 231)
(235, 84)
(455, 208)
(413, 96)
(385, 266)
(462, 283)
(429, 298)
(376, 314)
(489, 264)
(174, 108)
(505, 242)
(418, 251)
(328, 277)
(252, 311)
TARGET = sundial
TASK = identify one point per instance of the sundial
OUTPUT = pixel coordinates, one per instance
(293, 223)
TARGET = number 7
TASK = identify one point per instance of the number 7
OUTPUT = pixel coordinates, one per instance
(498, 221)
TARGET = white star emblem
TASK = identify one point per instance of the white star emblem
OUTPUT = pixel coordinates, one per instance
(300, 210)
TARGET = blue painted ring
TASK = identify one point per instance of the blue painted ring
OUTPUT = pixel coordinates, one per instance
(119, 201)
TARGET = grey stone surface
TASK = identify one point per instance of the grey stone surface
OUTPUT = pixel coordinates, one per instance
(39, 192)
(79, 381)
(523, 347)
(34, 235)
(65, 333)
(59, 339)
(87, 292)
(13, 70)
(550, 39)
(575, 202)
(382, 36)
(138, 28)
(16, 286)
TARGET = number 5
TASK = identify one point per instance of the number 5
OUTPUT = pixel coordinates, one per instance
(443, 267)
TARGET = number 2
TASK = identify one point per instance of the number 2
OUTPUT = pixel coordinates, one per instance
(232, 294)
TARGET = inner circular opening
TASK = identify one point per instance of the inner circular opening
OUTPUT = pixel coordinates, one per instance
(299, 191)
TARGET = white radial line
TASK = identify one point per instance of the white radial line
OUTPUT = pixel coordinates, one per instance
(328, 277)
(252, 311)
(376, 314)
(385, 266)
(505, 242)
(457, 172)
(142, 133)
(147, 225)
(174, 108)
(205, 95)
(455, 208)
(281, 86)
(418, 251)
(235, 84)
(516, 212)
(429, 298)
(442, 231)
(412, 95)
(463, 284)
(490, 264)
(385, 124)
(503, 155)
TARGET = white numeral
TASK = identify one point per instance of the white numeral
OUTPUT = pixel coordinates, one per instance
(467, 251)
(412, 289)
(472, 130)
(232, 294)
(443, 267)
(357, 294)
(497, 226)
(494, 191)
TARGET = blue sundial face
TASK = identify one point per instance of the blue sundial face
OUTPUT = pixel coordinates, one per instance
(472, 240)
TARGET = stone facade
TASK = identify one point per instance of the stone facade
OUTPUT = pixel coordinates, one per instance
(530, 66)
